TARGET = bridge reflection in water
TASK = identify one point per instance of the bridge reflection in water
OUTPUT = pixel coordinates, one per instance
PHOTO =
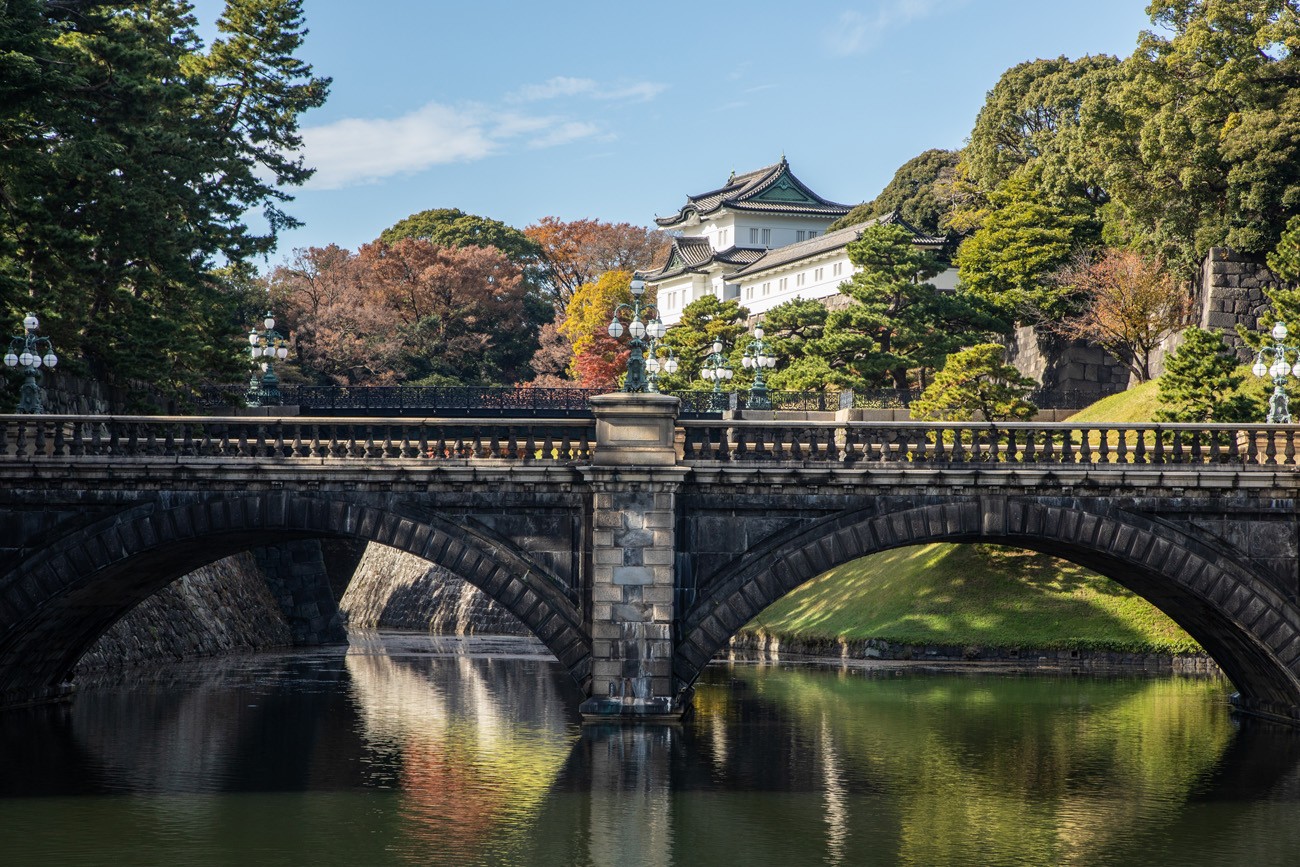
(409, 751)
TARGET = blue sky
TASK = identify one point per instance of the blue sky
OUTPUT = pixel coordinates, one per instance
(616, 111)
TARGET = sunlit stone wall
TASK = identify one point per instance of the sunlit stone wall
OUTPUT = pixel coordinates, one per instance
(395, 590)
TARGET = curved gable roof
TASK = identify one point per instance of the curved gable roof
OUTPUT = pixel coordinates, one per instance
(772, 189)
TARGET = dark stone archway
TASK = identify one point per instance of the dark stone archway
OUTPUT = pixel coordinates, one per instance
(58, 601)
(1238, 616)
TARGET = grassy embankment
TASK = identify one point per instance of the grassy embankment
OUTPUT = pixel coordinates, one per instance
(981, 595)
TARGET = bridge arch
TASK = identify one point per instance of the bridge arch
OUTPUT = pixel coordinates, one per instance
(57, 601)
(1250, 629)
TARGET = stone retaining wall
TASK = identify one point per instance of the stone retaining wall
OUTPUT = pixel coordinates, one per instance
(768, 646)
(225, 607)
(1232, 294)
(395, 590)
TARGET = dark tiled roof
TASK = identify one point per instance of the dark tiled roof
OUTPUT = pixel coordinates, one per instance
(695, 253)
(785, 194)
(829, 242)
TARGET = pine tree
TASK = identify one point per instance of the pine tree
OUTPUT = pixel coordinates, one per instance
(1200, 381)
(976, 383)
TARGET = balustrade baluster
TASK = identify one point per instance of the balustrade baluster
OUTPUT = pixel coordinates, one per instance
(39, 425)
(1067, 447)
(844, 439)
(1121, 446)
(21, 440)
(1140, 447)
(1216, 447)
(1027, 453)
(1085, 446)
(958, 447)
(1270, 448)
(586, 445)
(77, 447)
(1234, 450)
(295, 446)
(1289, 450)
(1158, 447)
(976, 449)
(1197, 454)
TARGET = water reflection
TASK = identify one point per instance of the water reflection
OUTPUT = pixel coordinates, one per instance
(411, 750)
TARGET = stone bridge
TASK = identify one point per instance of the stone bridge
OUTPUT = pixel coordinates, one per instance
(635, 545)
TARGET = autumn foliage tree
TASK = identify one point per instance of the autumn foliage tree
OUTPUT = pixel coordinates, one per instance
(598, 359)
(578, 252)
(409, 311)
(1131, 303)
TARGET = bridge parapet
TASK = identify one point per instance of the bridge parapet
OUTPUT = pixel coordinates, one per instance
(1252, 446)
(558, 441)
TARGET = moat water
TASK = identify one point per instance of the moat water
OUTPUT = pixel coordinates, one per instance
(412, 750)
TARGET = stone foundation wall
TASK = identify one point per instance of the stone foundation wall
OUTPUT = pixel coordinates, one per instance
(767, 646)
(1232, 294)
(395, 590)
(299, 582)
(1072, 373)
(225, 607)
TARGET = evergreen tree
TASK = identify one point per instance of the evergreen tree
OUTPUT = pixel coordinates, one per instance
(897, 322)
(912, 192)
(1009, 260)
(131, 158)
(976, 383)
(704, 321)
(1200, 382)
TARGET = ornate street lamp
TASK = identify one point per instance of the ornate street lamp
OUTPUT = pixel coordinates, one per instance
(29, 352)
(758, 357)
(654, 365)
(716, 369)
(1280, 370)
(264, 348)
(635, 381)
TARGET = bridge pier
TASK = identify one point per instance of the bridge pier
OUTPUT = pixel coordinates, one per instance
(634, 481)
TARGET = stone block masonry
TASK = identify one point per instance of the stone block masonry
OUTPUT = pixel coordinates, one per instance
(225, 607)
(634, 484)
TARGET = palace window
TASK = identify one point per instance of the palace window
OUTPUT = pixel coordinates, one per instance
(767, 237)
(835, 271)
(749, 293)
(753, 236)
(812, 234)
(767, 287)
(817, 275)
(782, 284)
(798, 279)
(799, 235)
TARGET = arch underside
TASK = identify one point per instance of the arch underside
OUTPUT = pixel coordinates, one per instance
(55, 604)
(1243, 622)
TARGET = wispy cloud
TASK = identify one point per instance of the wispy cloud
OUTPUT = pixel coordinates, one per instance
(357, 151)
(855, 32)
(563, 86)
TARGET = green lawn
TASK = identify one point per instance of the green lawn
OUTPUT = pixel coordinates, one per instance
(973, 595)
(1135, 405)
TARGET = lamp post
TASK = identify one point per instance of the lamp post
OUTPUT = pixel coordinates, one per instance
(1280, 370)
(758, 357)
(716, 369)
(654, 365)
(636, 381)
(29, 351)
(264, 348)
